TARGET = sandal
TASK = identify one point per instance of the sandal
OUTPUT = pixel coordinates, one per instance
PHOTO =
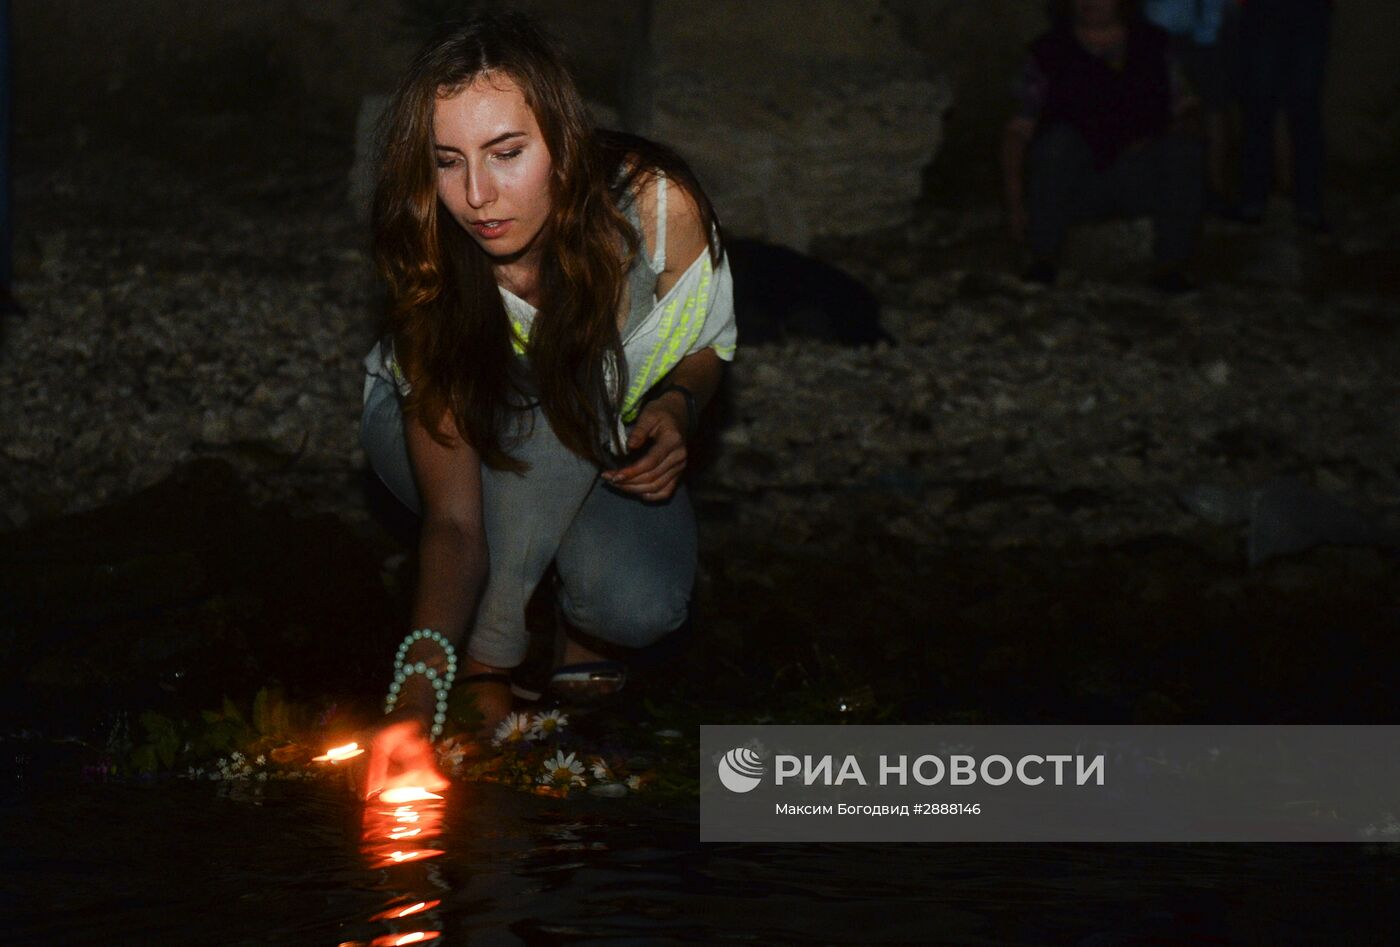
(590, 683)
(582, 684)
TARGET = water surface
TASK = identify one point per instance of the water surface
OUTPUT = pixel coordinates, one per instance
(247, 863)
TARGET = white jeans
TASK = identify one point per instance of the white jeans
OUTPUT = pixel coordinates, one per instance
(627, 566)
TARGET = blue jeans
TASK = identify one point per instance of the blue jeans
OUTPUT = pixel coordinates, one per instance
(626, 566)
(1284, 48)
(1161, 178)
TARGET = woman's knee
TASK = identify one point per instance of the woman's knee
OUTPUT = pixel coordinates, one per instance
(631, 614)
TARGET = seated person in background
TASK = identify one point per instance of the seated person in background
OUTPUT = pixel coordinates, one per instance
(1096, 138)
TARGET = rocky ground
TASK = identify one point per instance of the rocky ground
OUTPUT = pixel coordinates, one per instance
(1011, 465)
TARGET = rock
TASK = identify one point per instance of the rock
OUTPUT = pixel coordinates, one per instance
(1288, 516)
(1278, 261)
(1225, 506)
(367, 132)
(1217, 373)
(826, 130)
(15, 516)
(1109, 247)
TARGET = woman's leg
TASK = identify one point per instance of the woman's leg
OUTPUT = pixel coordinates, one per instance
(628, 567)
(525, 516)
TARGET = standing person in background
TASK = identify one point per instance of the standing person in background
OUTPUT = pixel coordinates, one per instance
(1205, 40)
(1283, 44)
(1096, 137)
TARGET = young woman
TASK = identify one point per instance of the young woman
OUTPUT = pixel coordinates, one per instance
(559, 310)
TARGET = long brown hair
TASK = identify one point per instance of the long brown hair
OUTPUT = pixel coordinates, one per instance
(451, 333)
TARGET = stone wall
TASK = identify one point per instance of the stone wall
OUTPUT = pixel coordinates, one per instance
(108, 66)
(802, 117)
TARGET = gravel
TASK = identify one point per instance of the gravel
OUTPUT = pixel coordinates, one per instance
(171, 317)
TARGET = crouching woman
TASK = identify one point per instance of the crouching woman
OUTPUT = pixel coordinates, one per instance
(559, 312)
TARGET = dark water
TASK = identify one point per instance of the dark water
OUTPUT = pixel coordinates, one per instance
(302, 863)
(216, 597)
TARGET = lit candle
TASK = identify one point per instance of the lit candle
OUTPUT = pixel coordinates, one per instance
(337, 754)
(407, 794)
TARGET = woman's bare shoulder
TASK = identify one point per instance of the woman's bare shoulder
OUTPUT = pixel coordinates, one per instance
(686, 233)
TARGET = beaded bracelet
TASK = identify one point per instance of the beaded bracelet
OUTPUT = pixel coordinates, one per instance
(442, 683)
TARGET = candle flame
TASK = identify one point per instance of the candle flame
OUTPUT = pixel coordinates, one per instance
(337, 754)
(400, 857)
(404, 833)
(407, 794)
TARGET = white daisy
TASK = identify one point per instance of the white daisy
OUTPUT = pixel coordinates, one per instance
(563, 771)
(602, 772)
(547, 723)
(452, 751)
(513, 729)
(634, 783)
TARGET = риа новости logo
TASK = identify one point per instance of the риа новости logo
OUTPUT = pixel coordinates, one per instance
(740, 769)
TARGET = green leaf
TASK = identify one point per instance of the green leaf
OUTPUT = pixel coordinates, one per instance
(231, 711)
(166, 747)
(143, 758)
(158, 727)
(272, 715)
(224, 736)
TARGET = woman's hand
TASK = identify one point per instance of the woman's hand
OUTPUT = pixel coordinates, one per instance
(657, 473)
(400, 754)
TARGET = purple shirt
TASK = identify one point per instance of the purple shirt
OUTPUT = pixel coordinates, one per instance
(1031, 85)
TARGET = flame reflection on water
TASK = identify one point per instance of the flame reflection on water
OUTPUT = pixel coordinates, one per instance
(397, 912)
(415, 937)
(412, 813)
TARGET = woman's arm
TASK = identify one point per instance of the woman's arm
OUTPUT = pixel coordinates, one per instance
(665, 419)
(452, 568)
(664, 422)
(452, 556)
